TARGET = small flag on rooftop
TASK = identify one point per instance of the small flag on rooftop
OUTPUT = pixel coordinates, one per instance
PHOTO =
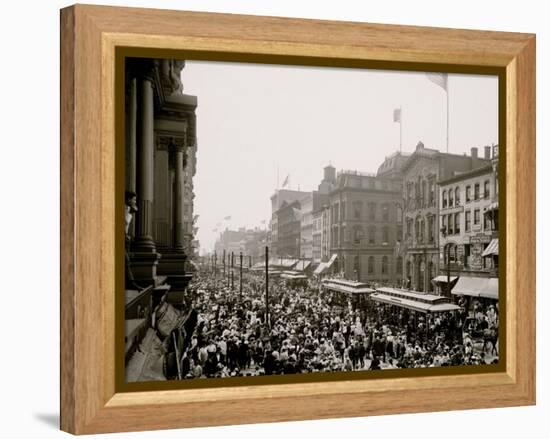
(227, 218)
(287, 180)
(397, 115)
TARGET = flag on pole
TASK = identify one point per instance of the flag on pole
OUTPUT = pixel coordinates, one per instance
(263, 222)
(397, 115)
(227, 218)
(439, 79)
(287, 180)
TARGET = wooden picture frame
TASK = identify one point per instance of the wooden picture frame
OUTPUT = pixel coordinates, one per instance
(90, 36)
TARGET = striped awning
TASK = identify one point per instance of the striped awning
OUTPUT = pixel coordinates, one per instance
(492, 248)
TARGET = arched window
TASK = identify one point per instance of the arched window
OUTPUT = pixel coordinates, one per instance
(451, 202)
(371, 265)
(399, 215)
(399, 266)
(384, 265)
(357, 234)
(372, 211)
(385, 212)
(457, 196)
(356, 265)
(385, 234)
(424, 194)
(444, 199)
(372, 235)
(357, 208)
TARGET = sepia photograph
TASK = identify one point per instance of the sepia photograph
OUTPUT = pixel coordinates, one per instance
(285, 220)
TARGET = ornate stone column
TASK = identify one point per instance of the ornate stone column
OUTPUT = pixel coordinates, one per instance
(144, 256)
(144, 184)
(131, 123)
(173, 260)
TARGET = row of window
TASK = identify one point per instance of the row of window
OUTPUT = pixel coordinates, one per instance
(451, 197)
(421, 191)
(424, 228)
(339, 213)
(451, 223)
(384, 264)
(357, 235)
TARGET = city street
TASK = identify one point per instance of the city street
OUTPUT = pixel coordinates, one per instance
(313, 331)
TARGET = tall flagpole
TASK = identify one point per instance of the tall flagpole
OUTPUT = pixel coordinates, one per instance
(447, 90)
(400, 129)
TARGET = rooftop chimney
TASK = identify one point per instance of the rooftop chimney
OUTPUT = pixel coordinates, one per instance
(419, 145)
(487, 152)
(474, 152)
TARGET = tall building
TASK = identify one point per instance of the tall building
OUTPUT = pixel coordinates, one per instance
(320, 217)
(421, 193)
(160, 164)
(365, 225)
(310, 207)
(289, 230)
(468, 236)
(280, 199)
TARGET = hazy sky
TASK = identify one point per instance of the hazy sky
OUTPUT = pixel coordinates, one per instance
(254, 119)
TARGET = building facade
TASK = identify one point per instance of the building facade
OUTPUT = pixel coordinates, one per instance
(469, 221)
(365, 227)
(280, 199)
(160, 153)
(250, 242)
(289, 230)
(421, 193)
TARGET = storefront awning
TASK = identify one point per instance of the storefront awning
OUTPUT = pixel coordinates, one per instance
(331, 260)
(492, 248)
(320, 268)
(302, 265)
(443, 279)
(477, 287)
(491, 289)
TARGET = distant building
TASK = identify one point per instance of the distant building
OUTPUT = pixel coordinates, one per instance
(281, 197)
(320, 217)
(310, 207)
(469, 225)
(392, 167)
(250, 242)
(289, 230)
(421, 193)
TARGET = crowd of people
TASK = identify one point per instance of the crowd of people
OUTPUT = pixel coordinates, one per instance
(311, 330)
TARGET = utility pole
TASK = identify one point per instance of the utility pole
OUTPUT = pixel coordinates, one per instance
(232, 267)
(241, 277)
(267, 320)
